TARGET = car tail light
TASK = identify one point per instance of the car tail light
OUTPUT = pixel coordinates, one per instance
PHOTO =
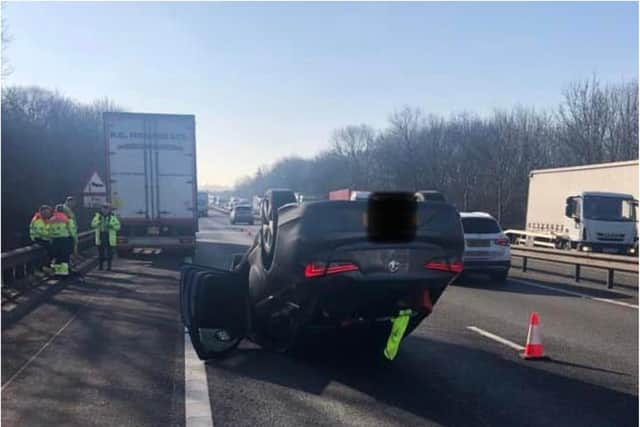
(341, 267)
(315, 269)
(502, 241)
(451, 267)
(319, 269)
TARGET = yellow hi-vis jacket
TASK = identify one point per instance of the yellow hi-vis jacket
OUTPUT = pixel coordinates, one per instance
(73, 225)
(105, 224)
(59, 226)
(39, 228)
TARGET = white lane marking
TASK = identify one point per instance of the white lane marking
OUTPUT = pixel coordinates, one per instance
(196, 389)
(496, 338)
(574, 293)
(32, 358)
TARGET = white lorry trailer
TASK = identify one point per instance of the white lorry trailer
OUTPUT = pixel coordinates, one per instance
(590, 208)
(151, 168)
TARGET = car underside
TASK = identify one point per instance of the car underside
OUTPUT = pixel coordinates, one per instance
(316, 266)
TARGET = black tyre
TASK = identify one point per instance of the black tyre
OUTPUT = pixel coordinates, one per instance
(500, 276)
(273, 200)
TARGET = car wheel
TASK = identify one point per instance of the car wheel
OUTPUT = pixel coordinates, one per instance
(500, 276)
(273, 200)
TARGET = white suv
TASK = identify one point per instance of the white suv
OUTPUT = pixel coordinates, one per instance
(486, 247)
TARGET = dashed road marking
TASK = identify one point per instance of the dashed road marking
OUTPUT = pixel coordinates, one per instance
(574, 293)
(496, 338)
(196, 389)
(32, 358)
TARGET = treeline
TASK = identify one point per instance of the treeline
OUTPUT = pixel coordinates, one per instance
(50, 147)
(480, 163)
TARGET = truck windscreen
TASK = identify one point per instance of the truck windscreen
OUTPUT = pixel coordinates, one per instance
(602, 208)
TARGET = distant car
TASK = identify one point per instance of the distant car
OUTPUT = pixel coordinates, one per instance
(241, 213)
(430, 195)
(487, 248)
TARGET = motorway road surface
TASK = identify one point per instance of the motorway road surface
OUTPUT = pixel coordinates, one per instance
(112, 351)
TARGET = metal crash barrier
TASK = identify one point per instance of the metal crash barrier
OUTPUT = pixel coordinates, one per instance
(609, 263)
(21, 263)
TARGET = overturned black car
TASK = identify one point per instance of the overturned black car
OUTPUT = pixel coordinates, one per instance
(375, 268)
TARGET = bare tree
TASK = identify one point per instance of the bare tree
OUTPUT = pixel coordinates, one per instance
(480, 163)
(584, 121)
(353, 144)
(5, 39)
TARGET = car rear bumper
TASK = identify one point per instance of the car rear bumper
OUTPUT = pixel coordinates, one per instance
(477, 265)
(342, 301)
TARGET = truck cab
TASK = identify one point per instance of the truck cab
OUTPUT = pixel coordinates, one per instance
(601, 222)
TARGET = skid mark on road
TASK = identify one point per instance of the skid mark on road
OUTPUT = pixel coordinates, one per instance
(496, 338)
(574, 293)
(196, 389)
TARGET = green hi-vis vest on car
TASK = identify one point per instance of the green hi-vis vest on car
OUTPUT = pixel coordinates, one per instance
(105, 224)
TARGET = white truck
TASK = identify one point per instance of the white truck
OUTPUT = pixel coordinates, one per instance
(151, 168)
(589, 208)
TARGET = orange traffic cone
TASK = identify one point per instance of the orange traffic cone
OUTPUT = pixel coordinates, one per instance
(533, 349)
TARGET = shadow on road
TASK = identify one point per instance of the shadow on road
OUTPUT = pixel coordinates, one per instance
(444, 383)
(119, 361)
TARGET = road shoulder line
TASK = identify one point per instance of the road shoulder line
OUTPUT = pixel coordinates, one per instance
(197, 404)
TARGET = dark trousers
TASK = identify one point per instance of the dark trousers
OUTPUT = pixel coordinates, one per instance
(47, 247)
(61, 249)
(105, 251)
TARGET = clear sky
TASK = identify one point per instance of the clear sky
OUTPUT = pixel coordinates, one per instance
(267, 80)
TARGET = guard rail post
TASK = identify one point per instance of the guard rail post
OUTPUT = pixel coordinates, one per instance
(610, 278)
(577, 272)
(524, 264)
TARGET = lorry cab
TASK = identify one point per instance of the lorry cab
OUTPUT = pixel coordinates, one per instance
(601, 222)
